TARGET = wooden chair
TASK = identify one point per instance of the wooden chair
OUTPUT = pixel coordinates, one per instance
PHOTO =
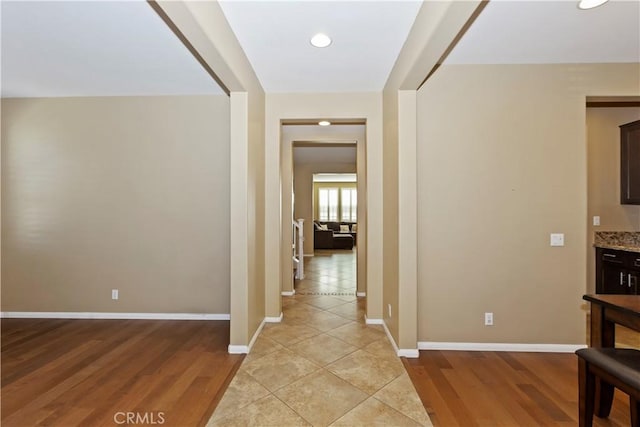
(612, 367)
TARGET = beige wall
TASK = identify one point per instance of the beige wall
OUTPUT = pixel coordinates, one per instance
(205, 27)
(390, 295)
(503, 162)
(115, 193)
(434, 31)
(603, 155)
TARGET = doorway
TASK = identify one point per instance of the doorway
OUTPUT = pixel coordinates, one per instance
(307, 150)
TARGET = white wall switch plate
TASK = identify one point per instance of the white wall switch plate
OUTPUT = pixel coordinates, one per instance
(596, 220)
(114, 294)
(557, 239)
(488, 319)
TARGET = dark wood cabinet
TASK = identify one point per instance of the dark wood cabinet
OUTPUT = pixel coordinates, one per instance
(617, 272)
(630, 163)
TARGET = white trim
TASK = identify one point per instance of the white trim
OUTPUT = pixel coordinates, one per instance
(373, 321)
(361, 294)
(245, 349)
(411, 353)
(308, 255)
(101, 315)
(481, 346)
(400, 352)
(238, 349)
(255, 335)
(288, 293)
(273, 319)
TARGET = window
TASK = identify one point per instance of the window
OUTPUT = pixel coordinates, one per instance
(349, 205)
(328, 204)
(337, 204)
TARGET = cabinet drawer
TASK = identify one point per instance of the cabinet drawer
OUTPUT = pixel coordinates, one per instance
(612, 256)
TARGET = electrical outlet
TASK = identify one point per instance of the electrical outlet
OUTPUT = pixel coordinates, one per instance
(389, 309)
(556, 239)
(596, 220)
(114, 294)
(488, 319)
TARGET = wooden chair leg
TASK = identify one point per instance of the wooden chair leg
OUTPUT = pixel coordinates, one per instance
(586, 394)
(635, 412)
(604, 398)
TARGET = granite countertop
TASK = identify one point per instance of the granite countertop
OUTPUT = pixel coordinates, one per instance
(621, 240)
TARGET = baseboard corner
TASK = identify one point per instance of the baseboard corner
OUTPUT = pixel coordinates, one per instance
(277, 319)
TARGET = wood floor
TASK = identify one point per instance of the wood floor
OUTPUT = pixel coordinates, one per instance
(85, 372)
(471, 388)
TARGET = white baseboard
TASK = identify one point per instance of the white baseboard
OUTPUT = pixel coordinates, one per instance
(481, 346)
(288, 293)
(274, 319)
(410, 353)
(373, 321)
(361, 294)
(101, 315)
(245, 349)
(400, 352)
(238, 349)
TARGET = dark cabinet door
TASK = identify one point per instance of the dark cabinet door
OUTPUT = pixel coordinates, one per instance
(617, 272)
(630, 163)
(614, 279)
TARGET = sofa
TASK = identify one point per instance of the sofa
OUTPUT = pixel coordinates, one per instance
(338, 235)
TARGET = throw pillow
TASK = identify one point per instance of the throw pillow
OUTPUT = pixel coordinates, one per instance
(354, 228)
(324, 227)
(344, 228)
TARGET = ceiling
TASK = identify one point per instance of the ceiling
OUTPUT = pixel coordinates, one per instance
(94, 48)
(367, 37)
(534, 32)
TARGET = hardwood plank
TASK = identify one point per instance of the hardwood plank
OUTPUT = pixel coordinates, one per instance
(81, 372)
(461, 388)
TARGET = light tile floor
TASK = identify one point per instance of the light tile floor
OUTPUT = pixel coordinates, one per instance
(322, 365)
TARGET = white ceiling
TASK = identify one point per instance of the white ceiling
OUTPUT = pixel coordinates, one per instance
(94, 48)
(367, 37)
(369, 34)
(533, 32)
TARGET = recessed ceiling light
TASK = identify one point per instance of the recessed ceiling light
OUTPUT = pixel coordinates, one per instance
(321, 40)
(324, 123)
(590, 4)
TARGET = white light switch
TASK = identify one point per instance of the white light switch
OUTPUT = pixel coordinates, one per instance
(596, 220)
(557, 239)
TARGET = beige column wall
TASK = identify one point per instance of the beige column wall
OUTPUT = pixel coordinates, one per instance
(502, 151)
(205, 28)
(603, 155)
(434, 31)
(331, 106)
(127, 193)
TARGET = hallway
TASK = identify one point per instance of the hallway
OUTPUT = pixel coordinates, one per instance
(322, 365)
